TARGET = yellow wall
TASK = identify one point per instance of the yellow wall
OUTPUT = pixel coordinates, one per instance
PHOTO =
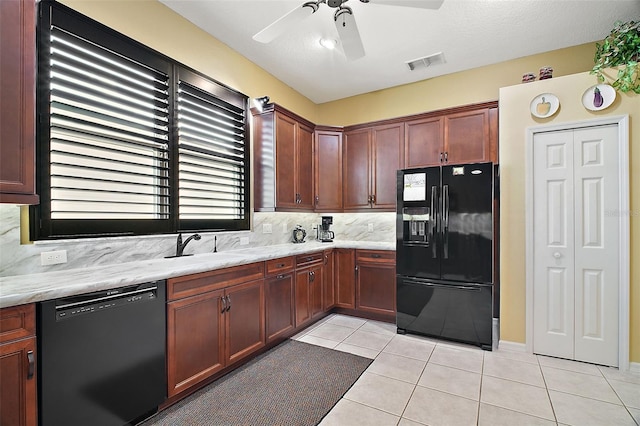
(476, 85)
(155, 25)
(515, 117)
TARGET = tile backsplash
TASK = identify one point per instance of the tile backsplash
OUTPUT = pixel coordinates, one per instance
(17, 259)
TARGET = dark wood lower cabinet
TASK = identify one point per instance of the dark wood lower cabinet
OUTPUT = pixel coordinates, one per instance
(308, 294)
(244, 319)
(195, 340)
(210, 331)
(279, 304)
(376, 282)
(344, 278)
(18, 403)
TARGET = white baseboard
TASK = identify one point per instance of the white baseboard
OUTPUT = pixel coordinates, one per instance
(512, 346)
(634, 367)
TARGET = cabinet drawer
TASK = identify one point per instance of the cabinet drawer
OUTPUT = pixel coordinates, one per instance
(190, 285)
(280, 266)
(376, 256)
(17, 322)
(303, 260)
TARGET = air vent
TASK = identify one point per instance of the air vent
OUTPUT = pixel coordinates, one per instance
(427, 61)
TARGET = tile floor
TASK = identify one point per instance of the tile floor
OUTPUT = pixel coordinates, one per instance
(419, 381)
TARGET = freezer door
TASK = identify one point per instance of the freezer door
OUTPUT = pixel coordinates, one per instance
(461, 312)
(467, 222)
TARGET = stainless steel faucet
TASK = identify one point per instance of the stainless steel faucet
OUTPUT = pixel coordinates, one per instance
(180, 245)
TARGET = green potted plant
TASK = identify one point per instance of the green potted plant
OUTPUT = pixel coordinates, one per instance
(621, 50)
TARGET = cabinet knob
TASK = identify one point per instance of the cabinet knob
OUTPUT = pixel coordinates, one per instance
(317, 200)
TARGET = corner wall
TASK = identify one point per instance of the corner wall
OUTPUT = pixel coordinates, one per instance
(515, 118)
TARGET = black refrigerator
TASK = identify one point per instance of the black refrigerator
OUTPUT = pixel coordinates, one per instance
(445, 252)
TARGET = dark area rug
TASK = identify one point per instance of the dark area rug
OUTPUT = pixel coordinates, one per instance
(293, 384)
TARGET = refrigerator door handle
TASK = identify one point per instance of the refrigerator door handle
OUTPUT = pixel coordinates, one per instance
(434, 231)
(445, 286)
(445, 220)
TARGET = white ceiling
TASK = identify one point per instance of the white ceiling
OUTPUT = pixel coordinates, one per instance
(470, 34)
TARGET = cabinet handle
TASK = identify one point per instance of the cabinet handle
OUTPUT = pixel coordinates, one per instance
(376, 256)
(280, 265)
(280, 276)
(326, 259)
(228, 303)
(32, 364)
(373, 199)
(356, 270)
(311, 276)
(317, 200)
(224, 305)
(446, 157)
(442, 157)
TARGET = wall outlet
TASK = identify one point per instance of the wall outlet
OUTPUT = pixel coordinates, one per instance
(53, 257)
(267, 228)
(244, 241)
(370, 227)
(284, 228)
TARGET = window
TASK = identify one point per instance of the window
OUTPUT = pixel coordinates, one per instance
(131, 142)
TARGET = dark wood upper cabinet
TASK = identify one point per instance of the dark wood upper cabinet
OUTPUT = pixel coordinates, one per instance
(466, 137)
(283, 165)
(328, 170)
(17, 101)
(370, 161)
(467, 134)
(423, 145)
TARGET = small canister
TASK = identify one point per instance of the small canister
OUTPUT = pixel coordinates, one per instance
(528, 77)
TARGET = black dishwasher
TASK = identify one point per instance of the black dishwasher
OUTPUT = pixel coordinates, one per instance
(102, 356)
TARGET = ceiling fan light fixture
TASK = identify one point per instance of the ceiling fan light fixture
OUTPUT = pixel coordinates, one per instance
(328, 43)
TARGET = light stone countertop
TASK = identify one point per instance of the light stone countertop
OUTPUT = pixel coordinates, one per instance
(21, 289)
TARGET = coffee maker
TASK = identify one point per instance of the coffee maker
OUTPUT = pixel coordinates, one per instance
(324, 234)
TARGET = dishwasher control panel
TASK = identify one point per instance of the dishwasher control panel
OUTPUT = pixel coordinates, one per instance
(100, 301)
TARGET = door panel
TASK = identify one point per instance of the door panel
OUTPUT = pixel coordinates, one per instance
(244, 319)
(553, 241)
(285, 160)
(356, 171)
(388, 143)
(596, 245)
(304, 164)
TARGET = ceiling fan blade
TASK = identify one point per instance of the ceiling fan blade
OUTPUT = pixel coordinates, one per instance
(277, 28)
(349, 36)
(421, 4)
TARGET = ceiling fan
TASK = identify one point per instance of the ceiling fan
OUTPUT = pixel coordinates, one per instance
(343, 18)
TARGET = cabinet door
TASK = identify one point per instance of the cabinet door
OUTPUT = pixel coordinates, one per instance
(303, 290)
(304, 167)
(466, 137)
(315, 291)
(344, 281)
(376, 288)
(285, 158)
(17, 103)
(18, 383)
(195, 340)
(356, 189)
(328, 171)
(327, 276)
(387, 159)
(423, 142)
(279, 303)
(244, 319)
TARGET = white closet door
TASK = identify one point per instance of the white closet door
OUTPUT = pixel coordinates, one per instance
(596, 245)
(575, 295)
(553, 292)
